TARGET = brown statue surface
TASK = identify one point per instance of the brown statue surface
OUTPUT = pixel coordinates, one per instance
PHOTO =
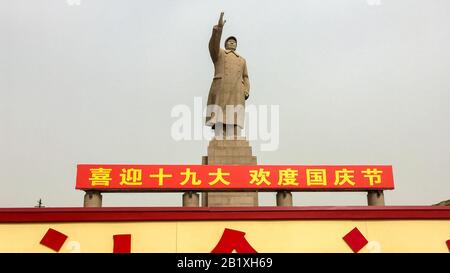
(230, 86)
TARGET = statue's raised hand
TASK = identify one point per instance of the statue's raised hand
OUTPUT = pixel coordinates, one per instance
(221, 21)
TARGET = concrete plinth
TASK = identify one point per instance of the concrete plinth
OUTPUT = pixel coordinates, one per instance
(230, 199)
(284, 199)
(375, 198)
(191, 199)
(229, 152)
(93, 199)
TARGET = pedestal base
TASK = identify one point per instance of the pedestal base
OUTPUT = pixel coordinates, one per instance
(229, 152)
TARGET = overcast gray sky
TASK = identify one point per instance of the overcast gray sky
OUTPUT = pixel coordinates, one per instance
(357, 82)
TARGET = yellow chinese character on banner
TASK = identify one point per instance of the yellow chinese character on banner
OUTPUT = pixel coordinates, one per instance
(100, 177)
(259, 176)
(316, 177)
(344, 176)
(160, 176)
(190, 176)
(374, 176)
(219, 177)
(131, 177)
(287, 177)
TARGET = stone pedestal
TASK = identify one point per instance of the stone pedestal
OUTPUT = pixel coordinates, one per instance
(375, 198)
(93, 199)
(229, 152)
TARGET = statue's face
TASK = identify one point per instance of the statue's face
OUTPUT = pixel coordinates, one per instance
(231, 44)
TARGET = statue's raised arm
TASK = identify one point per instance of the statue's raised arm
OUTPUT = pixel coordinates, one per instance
(214, 42)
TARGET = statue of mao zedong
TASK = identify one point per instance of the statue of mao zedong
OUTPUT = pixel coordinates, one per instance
(230, 86)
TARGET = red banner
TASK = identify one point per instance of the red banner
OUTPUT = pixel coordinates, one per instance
(107, 177)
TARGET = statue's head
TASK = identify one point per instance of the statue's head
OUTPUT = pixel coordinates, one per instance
(231, 43)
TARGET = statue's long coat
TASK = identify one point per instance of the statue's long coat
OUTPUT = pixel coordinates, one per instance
(229, 85)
